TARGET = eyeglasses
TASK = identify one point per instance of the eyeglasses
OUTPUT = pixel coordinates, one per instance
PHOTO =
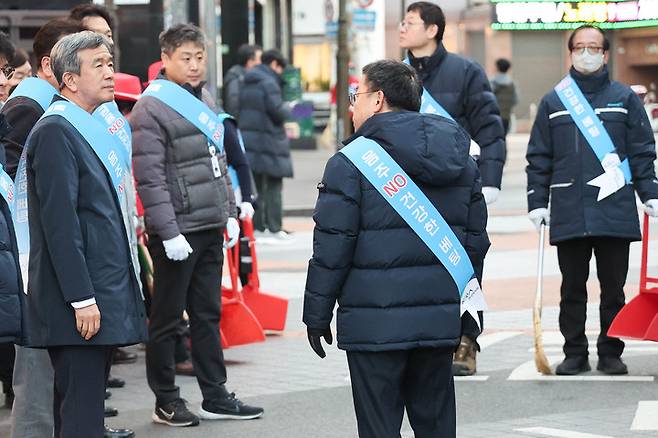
(592, 50)
(405, 24)
(352, 96)
(8, 71)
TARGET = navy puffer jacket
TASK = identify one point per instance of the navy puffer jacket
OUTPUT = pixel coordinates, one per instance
(392, 292)
(12, 299)
(461, 86)
(561, 162)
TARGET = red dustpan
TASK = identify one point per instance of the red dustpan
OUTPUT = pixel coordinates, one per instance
(638, 319)
(270, 310)
(238, 326)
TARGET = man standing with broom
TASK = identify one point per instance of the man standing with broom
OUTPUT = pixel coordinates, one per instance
(591, 146)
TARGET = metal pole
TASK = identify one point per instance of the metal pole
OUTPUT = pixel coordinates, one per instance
(208, 22)
(342, 74)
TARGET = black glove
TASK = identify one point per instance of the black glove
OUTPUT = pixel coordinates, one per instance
(314, 336)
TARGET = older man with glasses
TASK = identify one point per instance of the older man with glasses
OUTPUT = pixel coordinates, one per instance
(590, 149)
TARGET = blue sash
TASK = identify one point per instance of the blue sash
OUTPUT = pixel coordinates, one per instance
(192, 109)
(6, 188)
(616, 174)
(412, 205)
(428, 104)
(36, 89)
(117, 126)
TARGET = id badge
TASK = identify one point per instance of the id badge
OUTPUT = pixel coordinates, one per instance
(216, 169)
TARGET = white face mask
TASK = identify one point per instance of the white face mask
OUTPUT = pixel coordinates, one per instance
(587, 63)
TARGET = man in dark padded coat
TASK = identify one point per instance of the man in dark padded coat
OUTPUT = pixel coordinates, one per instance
(398, 312)
(461, 87)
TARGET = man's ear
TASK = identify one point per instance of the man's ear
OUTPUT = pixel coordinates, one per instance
(69, 81)
(380, 100)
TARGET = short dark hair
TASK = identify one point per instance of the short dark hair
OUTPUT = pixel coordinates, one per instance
(177, 35)
(398, 81)
(273, 55)
(430, 14)
(247, 52)
(606, 41)
(20, 58)
(503, 65)
(83, 11)
(50, 33)
(7, 49)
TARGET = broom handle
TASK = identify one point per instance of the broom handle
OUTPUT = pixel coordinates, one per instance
(540, 268)
(645, 253)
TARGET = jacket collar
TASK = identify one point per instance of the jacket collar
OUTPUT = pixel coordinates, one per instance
(194, 91)
(593, 82)
(426, 64)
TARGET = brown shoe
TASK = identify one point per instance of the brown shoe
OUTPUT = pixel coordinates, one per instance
(185, 368)
(464, 363)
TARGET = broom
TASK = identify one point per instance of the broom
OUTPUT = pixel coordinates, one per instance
(541, 362)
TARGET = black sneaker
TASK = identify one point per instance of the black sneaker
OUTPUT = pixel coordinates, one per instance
(611, 365)
(228, 408)
(175, 414)
(573, 365)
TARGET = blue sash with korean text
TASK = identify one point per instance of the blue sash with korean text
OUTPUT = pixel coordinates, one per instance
(399, 190)
(117, 126)
(192, 109)
(7, 188)
(36, 89)
(428, 104)
(616, 173)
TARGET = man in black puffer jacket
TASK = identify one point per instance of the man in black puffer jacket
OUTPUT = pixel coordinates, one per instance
(461, 87)
(399, 308)
(561, 166)
(262, 115)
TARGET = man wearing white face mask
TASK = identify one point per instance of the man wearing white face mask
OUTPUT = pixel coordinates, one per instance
(591, 146)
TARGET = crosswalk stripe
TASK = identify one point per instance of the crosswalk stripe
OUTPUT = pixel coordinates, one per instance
(527, 371)
(645, 416)
(559, 433)
(489, 339)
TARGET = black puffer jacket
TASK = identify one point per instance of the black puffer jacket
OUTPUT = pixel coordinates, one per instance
(12, 298)
(262, 115)
(392, 292)
(462, 88)
(561, 162)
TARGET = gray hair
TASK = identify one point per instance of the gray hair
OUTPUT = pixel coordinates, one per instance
(177, 35)
(64, 55)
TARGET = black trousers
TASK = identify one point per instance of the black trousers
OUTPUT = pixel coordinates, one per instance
(192, 285)
(470, 327)
(612, 268)
(269, 213)
(79, 395)
(7, 358)
(385, 383)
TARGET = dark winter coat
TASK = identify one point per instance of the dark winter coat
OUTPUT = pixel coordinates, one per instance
(561, 162)
(12, 298)
(262, 115)
(462, 88)
(173, 170)
(78, 243)
(22, 114)
(232, 85)
(392, 291)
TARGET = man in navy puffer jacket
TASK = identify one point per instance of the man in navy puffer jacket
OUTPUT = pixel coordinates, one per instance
(399, 308)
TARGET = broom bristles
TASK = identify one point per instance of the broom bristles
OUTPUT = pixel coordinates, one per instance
(541, 362)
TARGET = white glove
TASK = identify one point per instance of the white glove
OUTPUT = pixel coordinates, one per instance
(474, 150)
(539, 215)
(651, 207)
(246, 210)
(233, 231)
(490, 194)
(177, 249)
